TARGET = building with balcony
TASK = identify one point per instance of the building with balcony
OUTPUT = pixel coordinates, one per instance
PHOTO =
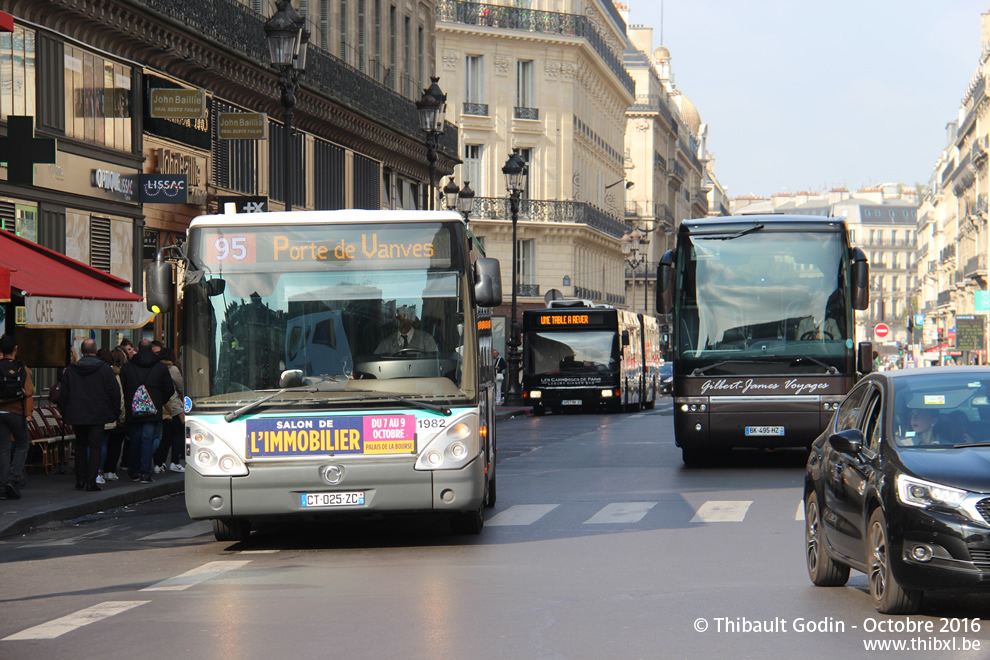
(547, 79)
(89, 72)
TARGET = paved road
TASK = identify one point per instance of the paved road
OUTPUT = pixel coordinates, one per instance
(602, 545)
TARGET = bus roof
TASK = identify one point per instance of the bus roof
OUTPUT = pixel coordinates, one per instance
(324, 217)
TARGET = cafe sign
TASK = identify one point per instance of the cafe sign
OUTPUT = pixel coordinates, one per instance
(177, 104)
(54, 312)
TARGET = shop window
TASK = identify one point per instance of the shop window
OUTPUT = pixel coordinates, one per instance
(17, 72)
(97, 99)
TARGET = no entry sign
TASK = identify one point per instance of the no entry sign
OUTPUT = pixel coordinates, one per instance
(881, 330)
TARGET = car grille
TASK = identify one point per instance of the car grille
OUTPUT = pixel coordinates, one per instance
(983, 506)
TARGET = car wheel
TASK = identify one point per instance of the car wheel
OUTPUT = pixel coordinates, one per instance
(888, 596)
(231, 529)
(821, 569)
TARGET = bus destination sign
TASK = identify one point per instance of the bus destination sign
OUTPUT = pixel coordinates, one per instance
(569, 318)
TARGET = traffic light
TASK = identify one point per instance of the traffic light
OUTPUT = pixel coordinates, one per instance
(900, 348)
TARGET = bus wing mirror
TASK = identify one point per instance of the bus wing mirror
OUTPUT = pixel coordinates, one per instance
(864, 358)
(158, 286)
(665, 283)
(860, 279)
(487, 282)
(625, 337)
(216, 287)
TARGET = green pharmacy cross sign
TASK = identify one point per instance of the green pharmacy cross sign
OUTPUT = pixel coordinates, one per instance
(982, 302)
(21, 150)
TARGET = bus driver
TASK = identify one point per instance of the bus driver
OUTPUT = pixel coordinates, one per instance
(406, 336)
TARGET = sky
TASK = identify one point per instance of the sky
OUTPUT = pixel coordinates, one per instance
(802, 95)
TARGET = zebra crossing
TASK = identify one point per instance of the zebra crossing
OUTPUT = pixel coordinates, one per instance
(626, 513)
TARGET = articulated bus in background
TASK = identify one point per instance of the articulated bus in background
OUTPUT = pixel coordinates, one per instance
(298, 402)
(582, 356)
(763, 330)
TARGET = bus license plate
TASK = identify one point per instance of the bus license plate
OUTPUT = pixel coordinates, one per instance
(571, 402)
(764, 430)
(353, 498)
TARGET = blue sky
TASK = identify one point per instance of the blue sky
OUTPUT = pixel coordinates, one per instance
(803, 95)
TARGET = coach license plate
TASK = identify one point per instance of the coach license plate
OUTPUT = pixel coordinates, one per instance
(764, 430)
(571, 402)
(353, 498)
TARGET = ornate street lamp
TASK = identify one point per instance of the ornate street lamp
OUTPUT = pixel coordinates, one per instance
(635, 249)
(515, 177)
(432, 107)
(457, 198)
(287, 39)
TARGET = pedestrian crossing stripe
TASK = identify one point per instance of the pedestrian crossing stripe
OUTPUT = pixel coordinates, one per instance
(621, 512)
(195, 576)
(70, 622)
(722, 511)
(520, 514)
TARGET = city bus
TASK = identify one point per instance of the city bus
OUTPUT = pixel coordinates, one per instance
(578, 355)
(298, 405)
(763, 333)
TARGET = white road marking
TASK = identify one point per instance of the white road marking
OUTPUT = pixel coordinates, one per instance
(195, 576)
(70, 622)
(621, 512)
(800, 511)
(520, 514)
(722, 511)
(192, 530)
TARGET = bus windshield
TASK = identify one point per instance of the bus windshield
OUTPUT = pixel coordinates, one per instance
(570, 353)
(325, 329)
(763, 302)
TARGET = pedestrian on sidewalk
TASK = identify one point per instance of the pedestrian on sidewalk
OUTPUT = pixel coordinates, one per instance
(114, 436)
(173, 419)
(147, 387)
(16, 390)
(500, 366)
(90, 399)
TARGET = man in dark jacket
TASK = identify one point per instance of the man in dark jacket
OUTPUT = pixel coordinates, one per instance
(89, 399)
(147, 387)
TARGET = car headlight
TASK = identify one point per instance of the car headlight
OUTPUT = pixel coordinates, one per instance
(924, 494)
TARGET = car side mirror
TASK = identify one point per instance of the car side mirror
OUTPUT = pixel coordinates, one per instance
(849, 441)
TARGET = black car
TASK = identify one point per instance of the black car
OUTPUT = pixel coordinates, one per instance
(666, 378)
(898, 487)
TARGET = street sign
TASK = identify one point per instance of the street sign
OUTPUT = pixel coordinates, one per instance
(881, 330)
(919, 320)
(982, 302)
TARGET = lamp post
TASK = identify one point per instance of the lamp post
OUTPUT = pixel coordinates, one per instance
(432, 107)
(459, 199)
(515, 176)
(635, 250)
(287, 39)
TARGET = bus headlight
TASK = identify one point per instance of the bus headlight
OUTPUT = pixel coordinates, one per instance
(535, 394)
(606, 394)
(453, 448)
(211, 455)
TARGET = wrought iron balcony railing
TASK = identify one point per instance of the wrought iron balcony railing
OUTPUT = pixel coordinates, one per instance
(533, 20)
(543, 210)
(526, 113)
(477, 109)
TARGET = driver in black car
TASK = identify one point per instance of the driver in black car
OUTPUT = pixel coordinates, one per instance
(406, 335)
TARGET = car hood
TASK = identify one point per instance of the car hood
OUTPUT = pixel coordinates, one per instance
(961, 468)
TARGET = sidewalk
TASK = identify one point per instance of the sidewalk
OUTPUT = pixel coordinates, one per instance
(54, 497)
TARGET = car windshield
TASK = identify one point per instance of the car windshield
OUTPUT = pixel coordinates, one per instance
(942, 409)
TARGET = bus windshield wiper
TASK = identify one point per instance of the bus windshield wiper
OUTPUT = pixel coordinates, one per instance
(748, 230)
(243, 410)
(700, 371)
(443, 410)
(829, 369)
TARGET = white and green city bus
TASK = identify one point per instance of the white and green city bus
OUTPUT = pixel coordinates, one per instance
(764, 343)
(295, 406)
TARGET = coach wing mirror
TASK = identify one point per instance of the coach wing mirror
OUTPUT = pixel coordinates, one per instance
(158, 286)
(860, 279)
(849, 441)
(864, 357)
(665, 283)
(625, 337)
(487, 282)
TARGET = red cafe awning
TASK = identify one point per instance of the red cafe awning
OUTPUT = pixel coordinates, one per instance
(60, 292)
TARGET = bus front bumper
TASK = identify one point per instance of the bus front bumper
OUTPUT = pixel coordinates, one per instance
(279, 490)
